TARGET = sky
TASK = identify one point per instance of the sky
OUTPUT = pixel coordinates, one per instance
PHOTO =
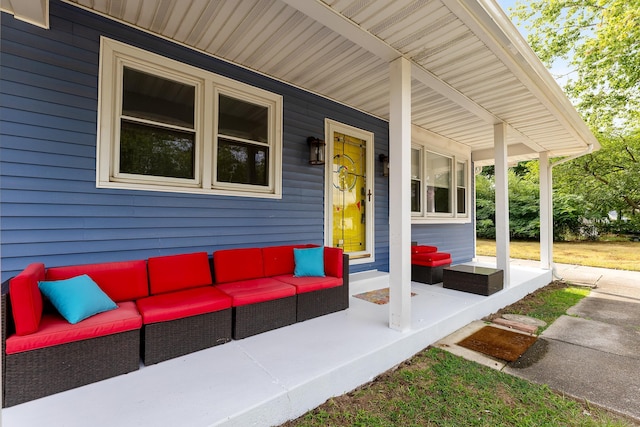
(560, 68)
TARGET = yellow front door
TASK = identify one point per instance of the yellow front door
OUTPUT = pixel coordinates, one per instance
(350, 193)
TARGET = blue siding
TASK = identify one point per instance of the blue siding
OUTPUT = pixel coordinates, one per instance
(51, 210)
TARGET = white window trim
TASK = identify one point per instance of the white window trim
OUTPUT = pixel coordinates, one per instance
(427, 141)
(113, 56)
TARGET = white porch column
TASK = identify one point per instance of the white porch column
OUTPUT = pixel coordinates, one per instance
(400, 195)
(502, 200)
(546, 212)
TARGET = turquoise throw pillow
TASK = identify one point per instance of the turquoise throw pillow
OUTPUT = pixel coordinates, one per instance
(77, 298)
(309, 262)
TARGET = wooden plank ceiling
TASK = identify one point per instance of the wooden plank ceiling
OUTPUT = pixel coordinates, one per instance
(470, 66)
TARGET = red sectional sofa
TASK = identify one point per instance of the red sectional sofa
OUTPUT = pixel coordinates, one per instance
(183, 312)
(265, 293)
(427, 264)
(162, 308)
(45, 354)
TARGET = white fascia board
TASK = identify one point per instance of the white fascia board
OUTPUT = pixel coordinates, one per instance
(35, 12)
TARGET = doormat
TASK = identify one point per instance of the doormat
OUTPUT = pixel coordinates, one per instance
(499, 343)
(379, 296)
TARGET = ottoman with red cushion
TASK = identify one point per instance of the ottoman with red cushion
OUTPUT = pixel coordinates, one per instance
(427, 264)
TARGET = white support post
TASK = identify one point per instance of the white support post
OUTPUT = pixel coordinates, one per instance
(546, 212)
(399, 195)
(502, 200)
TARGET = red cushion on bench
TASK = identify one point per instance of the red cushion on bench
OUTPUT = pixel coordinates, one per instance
(436, 263)
(253, 291)
(231, 265)
(333, 261)
(122, 281)
(26, 299)
(279, 259)
(434, 256)
(176, 272)
(310, 284)
(422, 249)
(181, 304)
(55, 330)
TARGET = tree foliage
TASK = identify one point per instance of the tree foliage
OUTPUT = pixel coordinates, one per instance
(600, 40)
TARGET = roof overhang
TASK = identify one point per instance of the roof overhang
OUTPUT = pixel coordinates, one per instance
(35, 12)
(471, 68)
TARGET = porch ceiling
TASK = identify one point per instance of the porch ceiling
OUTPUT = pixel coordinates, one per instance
(470, 66)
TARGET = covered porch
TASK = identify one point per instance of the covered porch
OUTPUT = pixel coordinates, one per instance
(279, 375)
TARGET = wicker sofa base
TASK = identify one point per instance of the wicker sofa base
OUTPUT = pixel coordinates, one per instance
(166, 340)
(428, 275)
(254, 319)
(38, 373)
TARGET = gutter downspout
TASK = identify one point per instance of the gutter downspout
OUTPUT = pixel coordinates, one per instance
(551, 166)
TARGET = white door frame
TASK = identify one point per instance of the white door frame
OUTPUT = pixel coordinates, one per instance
(331, 126)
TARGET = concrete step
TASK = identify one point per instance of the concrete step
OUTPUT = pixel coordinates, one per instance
(368, 281)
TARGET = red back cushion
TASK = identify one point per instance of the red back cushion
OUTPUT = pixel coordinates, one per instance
(177, 272)
(333, 261)
(122, 281)
(279, 260)
(26, 299)
(231, 265)
(422, 249)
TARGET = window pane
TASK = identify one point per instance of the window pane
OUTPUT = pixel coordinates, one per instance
(415, 164)
(461, 184)
(438, 183)
(148, 150)
(157, 99)
(415, 196)
(242, 163)
(243, 120)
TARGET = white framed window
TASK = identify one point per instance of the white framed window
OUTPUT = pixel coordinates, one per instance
(439, 183)
(167, 126)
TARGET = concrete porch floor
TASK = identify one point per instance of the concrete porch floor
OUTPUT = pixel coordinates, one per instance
(270, 378)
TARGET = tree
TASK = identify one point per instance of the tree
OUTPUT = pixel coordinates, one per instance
(600, 40)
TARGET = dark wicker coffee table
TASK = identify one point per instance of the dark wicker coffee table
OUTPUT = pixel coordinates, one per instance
(469, 278)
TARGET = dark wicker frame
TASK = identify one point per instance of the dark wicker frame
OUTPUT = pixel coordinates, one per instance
(166, 340)
(253, 319)
(38, 373)
(428, 275)
(325, 301)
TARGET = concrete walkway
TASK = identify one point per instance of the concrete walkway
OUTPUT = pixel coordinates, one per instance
(594, 352)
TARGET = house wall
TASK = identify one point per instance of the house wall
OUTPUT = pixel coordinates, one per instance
(51, 210)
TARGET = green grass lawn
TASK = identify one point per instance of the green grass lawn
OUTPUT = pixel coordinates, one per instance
(619, 255)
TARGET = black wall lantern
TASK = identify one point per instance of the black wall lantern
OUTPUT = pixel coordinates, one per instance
(316, 151)
(384, 159)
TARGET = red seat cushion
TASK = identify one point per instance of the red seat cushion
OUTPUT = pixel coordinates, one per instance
(422, 249)
(55, 330)
(253, 291)
(231, 265)
(181, 304)
(310, 284)
(26, 299)
(433, 256)
(436, 263)
(122, 281)
(176, 272)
